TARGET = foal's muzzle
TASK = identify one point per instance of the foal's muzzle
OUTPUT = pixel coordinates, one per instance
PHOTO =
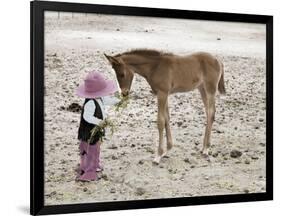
(125, 92)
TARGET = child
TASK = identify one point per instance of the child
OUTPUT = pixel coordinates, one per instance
(95, 87)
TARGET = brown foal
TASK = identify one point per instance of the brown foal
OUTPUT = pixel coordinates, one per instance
(167, 73)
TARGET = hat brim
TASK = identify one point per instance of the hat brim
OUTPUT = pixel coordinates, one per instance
(109, 89)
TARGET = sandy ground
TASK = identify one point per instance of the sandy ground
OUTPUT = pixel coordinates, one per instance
(74, 46)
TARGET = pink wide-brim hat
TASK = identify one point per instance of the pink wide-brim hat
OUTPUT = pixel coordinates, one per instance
(95, 85)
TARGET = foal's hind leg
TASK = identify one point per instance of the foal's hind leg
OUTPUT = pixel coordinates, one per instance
(209, 102)
(168, 129)
(204, 97)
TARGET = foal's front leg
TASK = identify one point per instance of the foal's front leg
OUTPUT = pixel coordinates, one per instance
(162, 102)
(210, 119)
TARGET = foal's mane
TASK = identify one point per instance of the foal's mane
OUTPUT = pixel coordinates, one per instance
(145, 53)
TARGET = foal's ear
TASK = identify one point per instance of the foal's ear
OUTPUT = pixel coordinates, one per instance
(112, 59)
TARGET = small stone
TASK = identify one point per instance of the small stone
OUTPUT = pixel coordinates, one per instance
(235, 154)
(262, 144)
(261, 119)
(192, 166)
(112, 190)
(112, 147)
(218, 38)
(85, 189)
(53, 193)
(246, 190)
(63, 161)
(140, 191)
(141, 162)
(114, 157)
(215, 154)
(193, 154)
(224, 153)
(247, 161)
(186, 160)
(150, 150)
(117, 29)
(179, 124)
(105, 177)
(206, 178)
(255, 157)
(219, 131)
(133, 145)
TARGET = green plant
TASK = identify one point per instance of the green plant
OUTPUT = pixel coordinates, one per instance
(123, 103)
(107, 123)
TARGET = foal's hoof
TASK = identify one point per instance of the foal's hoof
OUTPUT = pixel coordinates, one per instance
(207, 157)
(156, 160)
(205, 152)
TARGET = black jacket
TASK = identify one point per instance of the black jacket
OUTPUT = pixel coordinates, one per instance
(84, 131)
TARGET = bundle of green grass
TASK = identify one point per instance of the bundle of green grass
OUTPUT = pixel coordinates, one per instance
(107, 123)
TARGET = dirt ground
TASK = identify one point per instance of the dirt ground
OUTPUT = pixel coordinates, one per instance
(75, 46)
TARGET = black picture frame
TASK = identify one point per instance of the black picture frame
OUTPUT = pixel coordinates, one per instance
(37, 106)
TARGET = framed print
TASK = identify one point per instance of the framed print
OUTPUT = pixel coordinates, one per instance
(140, 107)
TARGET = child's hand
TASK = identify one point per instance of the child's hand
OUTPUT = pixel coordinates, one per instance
(110, 100)
(99, 130)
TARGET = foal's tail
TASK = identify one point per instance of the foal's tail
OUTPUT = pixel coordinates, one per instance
(221, 86)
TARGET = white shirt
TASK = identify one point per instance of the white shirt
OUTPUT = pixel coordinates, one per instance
(90, 107)
(89, 110)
